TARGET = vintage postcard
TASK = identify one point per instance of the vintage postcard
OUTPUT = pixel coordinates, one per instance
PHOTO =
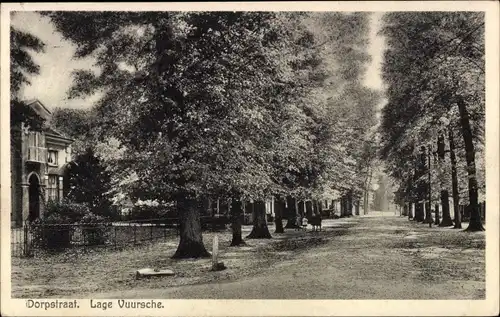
(250, 159)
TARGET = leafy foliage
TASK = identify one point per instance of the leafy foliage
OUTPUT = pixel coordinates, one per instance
(434, 68)
(64, 212)
(22, 67)
(226, 103)
(89, 184)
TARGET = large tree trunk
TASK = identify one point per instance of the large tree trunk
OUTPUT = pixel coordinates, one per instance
(408, 196)
(419, 212)
(454, 182)
(436, 214)
(292, 212)
(428, 204)
(349, 204)
(309, 209)
(205, 206)
(428, 213)
(342, 206)
(365, 202)
(475, 223)
(301, 207)
(445, 203)
(279, 207)
(191, 242)
(366, 198)
(420, 215)
(236, 222)
(419, 208)
(445, 206)
(357, 208)
(315, 207)
(260, 229)
(319, 208)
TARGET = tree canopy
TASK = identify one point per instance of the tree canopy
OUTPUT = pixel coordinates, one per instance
(228, 104)
(22, 67)
(434, 69)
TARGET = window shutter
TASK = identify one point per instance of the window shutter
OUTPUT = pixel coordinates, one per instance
(41, 139)
(31, 138)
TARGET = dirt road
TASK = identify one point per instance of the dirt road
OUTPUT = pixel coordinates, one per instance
(358, 258)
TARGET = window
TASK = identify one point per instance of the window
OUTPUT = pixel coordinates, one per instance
(53, 188)
(52, 157)
(34, 138)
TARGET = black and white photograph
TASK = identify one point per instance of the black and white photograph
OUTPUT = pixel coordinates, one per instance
(245, 154)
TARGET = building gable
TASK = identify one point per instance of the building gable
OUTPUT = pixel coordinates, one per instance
(53, 135)
(39, 108)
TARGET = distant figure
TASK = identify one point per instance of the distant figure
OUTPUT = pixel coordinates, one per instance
(316, 222)
(298, 223)
(304, 223)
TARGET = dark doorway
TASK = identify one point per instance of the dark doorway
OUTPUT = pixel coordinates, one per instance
(34, 198)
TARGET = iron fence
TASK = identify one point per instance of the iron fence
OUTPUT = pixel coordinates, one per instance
(35, 238)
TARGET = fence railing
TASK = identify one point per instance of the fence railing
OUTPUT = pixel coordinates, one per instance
(34, 238)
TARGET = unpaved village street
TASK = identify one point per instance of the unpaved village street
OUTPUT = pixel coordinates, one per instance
(357, 258)
(367, 257)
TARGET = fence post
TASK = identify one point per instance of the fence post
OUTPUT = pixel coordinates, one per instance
(135, 230)
(482, 207)
(151, 231)
(25, 251)
(114, 239)
(484, 211)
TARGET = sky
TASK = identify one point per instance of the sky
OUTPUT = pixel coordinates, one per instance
(57, 62)
(376, 48)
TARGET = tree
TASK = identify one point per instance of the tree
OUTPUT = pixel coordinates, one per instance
(279, 210)
(236, 222)
(89, 183)
(77, 124)
(336, 103)
(445, 201)
(22, 67)
(89, 179)
(227, 104)
(445, 79)
(192, 109)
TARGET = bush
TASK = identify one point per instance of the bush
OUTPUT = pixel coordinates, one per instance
(95, 230)
(69, 212)
(53, 232)
(152, 212)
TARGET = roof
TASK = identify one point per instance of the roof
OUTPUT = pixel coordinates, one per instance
(60, 170)
(55, 171)
(51, 131)
(45, 113)
(39, 108)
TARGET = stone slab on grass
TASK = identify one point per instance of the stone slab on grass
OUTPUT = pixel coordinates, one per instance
(147, 272)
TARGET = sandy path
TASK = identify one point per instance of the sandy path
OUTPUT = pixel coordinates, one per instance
(379, 258)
